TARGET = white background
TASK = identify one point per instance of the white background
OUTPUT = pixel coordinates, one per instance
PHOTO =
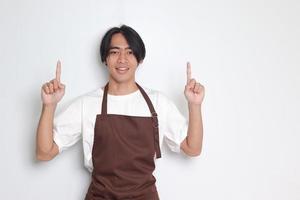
(245, 52)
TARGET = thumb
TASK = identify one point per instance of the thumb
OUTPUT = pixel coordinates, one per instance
(61, 86)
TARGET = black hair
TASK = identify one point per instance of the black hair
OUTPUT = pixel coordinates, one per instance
(133, 39)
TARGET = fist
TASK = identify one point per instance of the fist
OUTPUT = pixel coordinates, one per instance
(53, 91)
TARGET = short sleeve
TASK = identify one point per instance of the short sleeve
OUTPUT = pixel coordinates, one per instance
(174, 125)
(67, 125)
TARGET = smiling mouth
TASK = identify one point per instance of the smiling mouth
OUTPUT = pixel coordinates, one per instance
(122, 70)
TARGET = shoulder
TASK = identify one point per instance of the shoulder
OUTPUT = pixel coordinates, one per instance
(90, 96)
(156, 96)
(152, 93)
(95, 93)
(85, 99)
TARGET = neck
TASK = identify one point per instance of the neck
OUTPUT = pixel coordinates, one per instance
(121, 88)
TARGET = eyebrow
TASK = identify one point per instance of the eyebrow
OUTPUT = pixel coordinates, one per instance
(115, 47)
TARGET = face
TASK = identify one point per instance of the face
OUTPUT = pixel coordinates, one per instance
(121, 61)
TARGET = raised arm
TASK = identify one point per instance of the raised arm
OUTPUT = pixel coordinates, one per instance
(194, 93)
(51, 93)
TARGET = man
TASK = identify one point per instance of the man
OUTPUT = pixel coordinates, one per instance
(121, 125)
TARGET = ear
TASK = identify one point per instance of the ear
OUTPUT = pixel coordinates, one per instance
(141, 62)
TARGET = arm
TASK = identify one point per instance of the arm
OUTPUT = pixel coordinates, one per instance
(194, 93)
(192, 144)
(46, 149)
(52, 92)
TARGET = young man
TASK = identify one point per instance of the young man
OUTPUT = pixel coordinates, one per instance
(121, 125)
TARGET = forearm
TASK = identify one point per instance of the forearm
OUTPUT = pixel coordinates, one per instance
(44, 139)
(195, 128)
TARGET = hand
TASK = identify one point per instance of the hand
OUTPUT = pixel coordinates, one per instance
(53, 91)
(194, 91)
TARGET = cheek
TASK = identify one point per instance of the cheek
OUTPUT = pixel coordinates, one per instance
(109, 62)
(133, 62)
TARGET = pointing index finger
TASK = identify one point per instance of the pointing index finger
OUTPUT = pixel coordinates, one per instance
(58, 71)
(188, 72)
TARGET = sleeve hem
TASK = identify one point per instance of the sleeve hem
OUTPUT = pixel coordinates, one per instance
(175, 145)
(177, 148)
(58, 143)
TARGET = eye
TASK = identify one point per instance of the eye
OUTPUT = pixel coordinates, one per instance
(113, 52)
(129, 52)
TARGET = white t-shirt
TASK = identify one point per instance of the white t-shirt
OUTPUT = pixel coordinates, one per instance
(77, 121)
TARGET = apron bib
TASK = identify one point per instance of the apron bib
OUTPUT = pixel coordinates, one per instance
(123, 155)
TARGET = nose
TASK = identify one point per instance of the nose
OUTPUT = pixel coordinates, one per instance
(122, 57)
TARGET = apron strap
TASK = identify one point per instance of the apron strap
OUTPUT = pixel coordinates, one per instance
(155, 121)
(149, 103)
(104, 100)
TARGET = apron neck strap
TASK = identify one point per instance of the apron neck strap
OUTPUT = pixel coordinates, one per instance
(149, 103)
(104, 100)
(146, 97)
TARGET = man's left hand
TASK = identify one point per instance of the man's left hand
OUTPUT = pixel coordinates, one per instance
(194, 91)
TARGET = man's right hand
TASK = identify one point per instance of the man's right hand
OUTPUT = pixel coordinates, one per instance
(53, 91)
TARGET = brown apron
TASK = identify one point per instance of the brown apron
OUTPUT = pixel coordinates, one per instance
(123, 155)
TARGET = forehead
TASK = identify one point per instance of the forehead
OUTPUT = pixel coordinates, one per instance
(118, 40)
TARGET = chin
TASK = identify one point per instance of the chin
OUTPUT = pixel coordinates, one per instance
(122, 79)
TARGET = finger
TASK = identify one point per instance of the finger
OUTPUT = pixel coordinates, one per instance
(61, 86)
(55, 84)
(46, 89)
(197, 87)
(201, 89)
(188, 72)
(50, 86)
(58, 71)
(192, 83)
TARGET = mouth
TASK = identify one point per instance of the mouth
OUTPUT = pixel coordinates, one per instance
(122, 70)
